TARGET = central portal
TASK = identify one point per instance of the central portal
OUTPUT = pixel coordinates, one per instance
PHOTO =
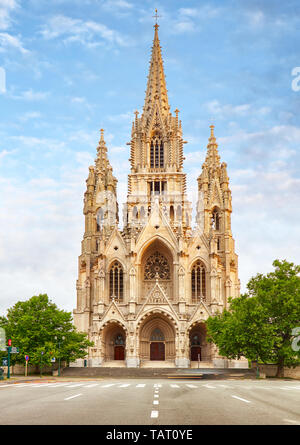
(157, 350)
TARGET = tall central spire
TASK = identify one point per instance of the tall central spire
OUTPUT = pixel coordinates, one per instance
(156, 86)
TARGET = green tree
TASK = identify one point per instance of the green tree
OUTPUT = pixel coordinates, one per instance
(36, 326)
(259, 324)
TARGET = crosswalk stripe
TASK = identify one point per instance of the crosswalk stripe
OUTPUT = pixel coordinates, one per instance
(210, 386)
(192, 386)
(140, 385)
(75, 385)
(125, 385)
(175, 386)
(107, 386)
(39, 385)
(72, 397)
(154, 414)
(91, 386)
(58, 385)
(240, 398)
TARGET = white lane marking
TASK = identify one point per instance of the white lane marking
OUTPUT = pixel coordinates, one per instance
(154, 414)
(286, 388)
(175, 386)
(92, 385)
(141, 385)
(125, 385)
(156, 395)
(107, 386)
(75, 385)
(210, 386)
(72, 397)
(292, 421)
(155, 402)
(239, 398)
(192, 386)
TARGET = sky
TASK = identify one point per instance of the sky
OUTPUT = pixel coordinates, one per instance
(71, 67)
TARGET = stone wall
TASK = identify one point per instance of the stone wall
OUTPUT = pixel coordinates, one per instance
(31, 370)
(269, 370)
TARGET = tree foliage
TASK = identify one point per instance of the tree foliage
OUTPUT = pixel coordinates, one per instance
(260, 323)
(37, 326)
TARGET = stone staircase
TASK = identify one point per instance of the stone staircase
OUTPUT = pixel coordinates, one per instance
(114, 364)
(157, 364)
(181, 373)
(201, 365)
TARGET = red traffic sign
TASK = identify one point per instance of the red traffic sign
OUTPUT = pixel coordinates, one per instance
(9, 342)
(26, 358)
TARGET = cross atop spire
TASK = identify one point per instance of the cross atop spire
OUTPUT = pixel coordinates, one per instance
(156, 17)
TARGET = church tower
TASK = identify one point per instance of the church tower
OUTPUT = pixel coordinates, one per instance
(156, 156)
(145, 291)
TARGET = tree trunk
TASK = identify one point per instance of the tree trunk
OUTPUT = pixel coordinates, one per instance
(280, 368)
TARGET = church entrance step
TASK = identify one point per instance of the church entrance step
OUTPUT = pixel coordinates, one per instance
(200, 364)
(114, 364)
(158, 364)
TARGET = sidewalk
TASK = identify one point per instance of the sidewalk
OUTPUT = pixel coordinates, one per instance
(45, 379)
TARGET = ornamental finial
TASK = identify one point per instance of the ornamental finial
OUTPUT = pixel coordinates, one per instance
(156, 17)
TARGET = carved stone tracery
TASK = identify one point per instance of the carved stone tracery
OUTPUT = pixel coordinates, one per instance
(157, 266)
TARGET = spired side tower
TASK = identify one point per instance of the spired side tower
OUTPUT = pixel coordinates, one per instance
(145, 292)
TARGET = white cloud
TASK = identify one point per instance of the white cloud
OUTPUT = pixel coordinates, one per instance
(117, 5)
(30, 115)
(6, 7)
(88, 33)
(31, 95)
(256, 18)
(7, 41)
(228, 110)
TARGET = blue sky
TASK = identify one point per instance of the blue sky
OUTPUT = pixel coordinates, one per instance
(73, 67)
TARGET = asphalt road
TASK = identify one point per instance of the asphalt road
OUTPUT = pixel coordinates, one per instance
(151, 402)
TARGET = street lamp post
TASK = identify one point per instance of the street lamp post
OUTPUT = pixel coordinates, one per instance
(59, 342)
(42, 353)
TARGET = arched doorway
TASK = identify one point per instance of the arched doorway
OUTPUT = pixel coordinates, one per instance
(157, 339)
(114, 342)
(157, 345)
(199, 348)
(119, 347)
(195, 347)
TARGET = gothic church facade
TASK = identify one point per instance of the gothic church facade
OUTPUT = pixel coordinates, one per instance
(144, 293)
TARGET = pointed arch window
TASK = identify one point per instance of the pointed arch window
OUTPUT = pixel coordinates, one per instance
(157, 335)
(116, 281)
(99, 219)
(157, 153)
(198, 282)
(119, 340)
(216, 219)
